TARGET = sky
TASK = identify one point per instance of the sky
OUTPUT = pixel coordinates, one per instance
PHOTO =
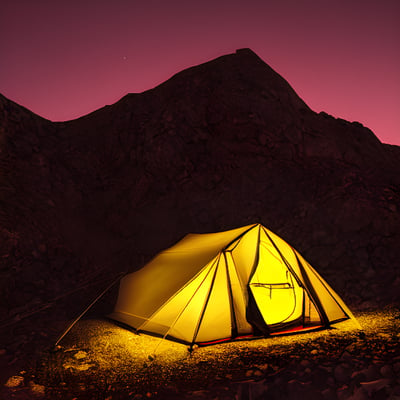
(64, 59)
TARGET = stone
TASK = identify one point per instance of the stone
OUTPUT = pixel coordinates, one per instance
(342, 373)
(346, 356)
(80, 355)
(77, 366)
(343, 392)
(262, 138)
(359, 394)
(14, 381)
(387, 371)
(36, 389)
(329, 394)
(263, 367)
(257, 390)
(357, 377)
(372, 372)
(305, 363)
(375, 386)
(396, 367)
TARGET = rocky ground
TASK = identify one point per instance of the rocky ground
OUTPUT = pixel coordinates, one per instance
(99, 360)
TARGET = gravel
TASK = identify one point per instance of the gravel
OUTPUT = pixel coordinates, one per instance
(99, 359)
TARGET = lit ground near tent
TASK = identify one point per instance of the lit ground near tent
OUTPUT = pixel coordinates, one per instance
(99, 359)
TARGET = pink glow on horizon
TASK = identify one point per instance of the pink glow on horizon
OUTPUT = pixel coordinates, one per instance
(65, 59)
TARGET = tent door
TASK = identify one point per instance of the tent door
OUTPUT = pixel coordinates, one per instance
(278, 303)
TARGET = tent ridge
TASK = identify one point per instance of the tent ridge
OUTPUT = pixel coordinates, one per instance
(239, 236)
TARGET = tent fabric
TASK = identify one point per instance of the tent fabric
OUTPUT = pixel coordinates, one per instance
(227, 285)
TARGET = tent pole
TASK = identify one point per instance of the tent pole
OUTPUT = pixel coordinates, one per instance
(184, 308)
(87, 309)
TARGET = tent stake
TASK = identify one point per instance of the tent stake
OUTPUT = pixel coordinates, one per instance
(87, 309)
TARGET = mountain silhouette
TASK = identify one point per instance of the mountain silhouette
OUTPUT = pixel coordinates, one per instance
(217, 146)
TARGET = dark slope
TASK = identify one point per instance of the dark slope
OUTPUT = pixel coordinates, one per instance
(218, 145)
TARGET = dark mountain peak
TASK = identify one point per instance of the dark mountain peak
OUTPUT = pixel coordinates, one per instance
(241, 80)
(242, 74)
(247, 52)
(238, 97)
(233, 97)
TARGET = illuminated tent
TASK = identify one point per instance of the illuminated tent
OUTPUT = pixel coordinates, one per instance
(221, 286)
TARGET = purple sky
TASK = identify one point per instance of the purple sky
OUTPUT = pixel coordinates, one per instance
(64, 59)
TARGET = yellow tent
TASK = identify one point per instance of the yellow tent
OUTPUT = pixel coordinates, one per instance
(212, 287)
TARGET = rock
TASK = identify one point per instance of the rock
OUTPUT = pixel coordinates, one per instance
(319, 378)
(263, 367)
(326, 368)
(329, 394)
(396, 392)
(77, 366)
(82, 387)
(14, 381)
(305, 363)
(262, 138)
(294, 386)
(36, 389)
(346, 356)
(342, 373)
(257, 390)
(331, 381)
(359, 394)
(371, 373)
(387, 371)
(396, 367)
(351, 348)
(80, 355)
(343, 393)
(357, 377)
(374, 386)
